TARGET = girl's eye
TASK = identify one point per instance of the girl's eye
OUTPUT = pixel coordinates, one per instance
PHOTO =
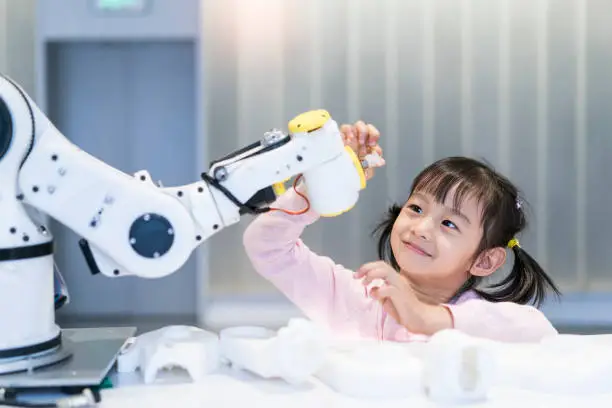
(449, 224)
(415, 208)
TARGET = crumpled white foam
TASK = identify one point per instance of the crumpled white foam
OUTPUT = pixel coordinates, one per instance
(564, 364)
(372, 369)
(190, 348)
(457, 368)
(294, 353)
(451, 367)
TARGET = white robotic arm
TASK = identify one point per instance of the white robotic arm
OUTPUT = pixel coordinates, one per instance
(128, 224)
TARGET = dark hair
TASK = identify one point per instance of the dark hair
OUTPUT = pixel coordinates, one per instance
(503, 217)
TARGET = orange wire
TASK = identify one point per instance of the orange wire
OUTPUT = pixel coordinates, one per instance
(298, 212)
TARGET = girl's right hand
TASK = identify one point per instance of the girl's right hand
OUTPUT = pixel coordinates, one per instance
(363, 139)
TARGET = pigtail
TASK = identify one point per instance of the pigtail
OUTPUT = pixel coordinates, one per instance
(383, 232)
(526, 282)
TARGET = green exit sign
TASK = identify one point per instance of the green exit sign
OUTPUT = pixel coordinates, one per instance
(121, 5)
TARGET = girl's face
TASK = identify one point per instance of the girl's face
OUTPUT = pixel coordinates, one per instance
(434, 243)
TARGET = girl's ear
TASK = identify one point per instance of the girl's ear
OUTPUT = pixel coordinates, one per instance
(488, 262)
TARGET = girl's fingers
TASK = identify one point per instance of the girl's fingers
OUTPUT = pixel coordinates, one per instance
(378, 150)
(344, 131)
(372, 276)
(349, 137)
(384, 292)
(389, 298)
(378, 270)
(373, 136)
(363, 269)
(362, 132)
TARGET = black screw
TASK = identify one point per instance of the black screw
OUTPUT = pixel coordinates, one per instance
(200, 189)
(216, 226)
(299, 158)
(198, 237)
(93, 223)
(26, 238)
(20, 197)
(35, 189)
(54, 157)
(116, 272)
(13, 230)
(143, 177)
(180, 193)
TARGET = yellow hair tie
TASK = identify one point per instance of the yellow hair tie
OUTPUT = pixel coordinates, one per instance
(513, 242)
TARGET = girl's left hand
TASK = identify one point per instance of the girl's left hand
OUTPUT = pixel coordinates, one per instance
(399, 300)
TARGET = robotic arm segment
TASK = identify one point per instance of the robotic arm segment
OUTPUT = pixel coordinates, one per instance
(332, 172)
(129, 225)
(145, 232)
(22, 236)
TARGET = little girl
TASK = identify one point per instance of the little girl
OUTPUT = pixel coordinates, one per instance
(453, 231)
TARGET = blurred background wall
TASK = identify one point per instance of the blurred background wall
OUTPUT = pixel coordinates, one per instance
(17, 40)
(523, 84)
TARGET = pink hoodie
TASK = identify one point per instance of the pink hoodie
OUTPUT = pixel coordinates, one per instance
(327, 293)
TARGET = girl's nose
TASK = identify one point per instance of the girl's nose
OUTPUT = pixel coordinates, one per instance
(423, 228)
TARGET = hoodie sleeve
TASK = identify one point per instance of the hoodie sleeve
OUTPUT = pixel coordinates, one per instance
(325, 292)
(504, 321)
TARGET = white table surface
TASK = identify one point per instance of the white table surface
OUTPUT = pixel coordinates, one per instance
(228, 388)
